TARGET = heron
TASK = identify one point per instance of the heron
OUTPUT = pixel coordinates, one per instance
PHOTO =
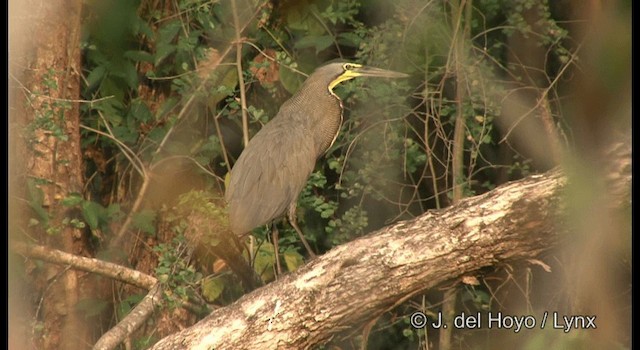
(273, 169)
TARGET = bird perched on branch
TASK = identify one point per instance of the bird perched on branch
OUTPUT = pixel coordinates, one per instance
(274, 167)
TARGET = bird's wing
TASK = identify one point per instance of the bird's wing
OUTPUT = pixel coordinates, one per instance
(269, 175)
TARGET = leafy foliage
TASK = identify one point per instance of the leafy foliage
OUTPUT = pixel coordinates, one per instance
(176, 272)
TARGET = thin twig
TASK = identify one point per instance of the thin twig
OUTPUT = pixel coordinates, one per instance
(243, 99)
(55, 98)
(128, 153)
(324, 25)
(273, 59)
(207, 171)
(543, 95)
(428, 150)
(460, 37)
(132, 321)
(221, 140)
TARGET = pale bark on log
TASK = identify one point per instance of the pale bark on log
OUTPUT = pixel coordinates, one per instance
(364, 278)
(359, 280)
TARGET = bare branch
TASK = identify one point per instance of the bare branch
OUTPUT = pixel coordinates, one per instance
(135, 318)
(107, 269)
(243, 98)
(132, 321)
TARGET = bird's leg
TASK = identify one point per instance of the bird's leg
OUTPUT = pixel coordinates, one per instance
(276, 252)
(293, 221)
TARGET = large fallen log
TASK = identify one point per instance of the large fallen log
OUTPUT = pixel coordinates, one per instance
(364, 278)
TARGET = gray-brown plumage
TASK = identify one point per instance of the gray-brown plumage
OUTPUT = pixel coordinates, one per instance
(274, 167)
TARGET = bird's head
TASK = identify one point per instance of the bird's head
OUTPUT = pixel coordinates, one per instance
(343, 71)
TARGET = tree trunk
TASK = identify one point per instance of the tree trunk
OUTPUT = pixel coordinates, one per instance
(46, 66)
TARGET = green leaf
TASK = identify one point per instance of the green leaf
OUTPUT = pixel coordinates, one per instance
(141, 26)
(320, 42)
(164, 41)
(91, 211)
(139, 56)
(130, 75)
(162, 51)
(164, 278)
(290, 80)
(301, 18)
(162, 270)
(71, 200)
(166, 107)
(349, 39)
(212, 288)
(128, 303)
(168, 32)
(157, 134)
(223, 87)
(125, 134)
(293, 260)
(113, 212)
(140, 112)
(95, 76)
(36, 199)
(408, 332)
(263, 263)
(112, 86)
(36, 195)
(145, 221)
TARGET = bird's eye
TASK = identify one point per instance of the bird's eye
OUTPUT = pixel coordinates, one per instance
(348, 66)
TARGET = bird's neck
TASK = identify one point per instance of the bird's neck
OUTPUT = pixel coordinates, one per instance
(320, 114)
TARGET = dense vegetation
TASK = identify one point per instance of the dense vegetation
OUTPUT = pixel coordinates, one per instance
(170, 83)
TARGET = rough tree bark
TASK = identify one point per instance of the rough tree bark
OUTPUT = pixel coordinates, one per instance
(45, 88)
(364, 278)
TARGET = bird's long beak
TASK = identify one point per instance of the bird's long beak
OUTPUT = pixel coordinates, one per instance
(377, 72)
